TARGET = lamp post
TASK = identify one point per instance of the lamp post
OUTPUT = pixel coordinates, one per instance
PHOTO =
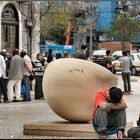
(29, 25)
(92, 22)
(91, 27)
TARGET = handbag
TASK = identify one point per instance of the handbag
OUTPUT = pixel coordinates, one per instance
(32, 77)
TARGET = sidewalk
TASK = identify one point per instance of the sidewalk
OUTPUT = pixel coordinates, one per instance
(14, 115)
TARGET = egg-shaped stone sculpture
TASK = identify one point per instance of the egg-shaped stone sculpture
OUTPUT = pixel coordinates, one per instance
(70, 86)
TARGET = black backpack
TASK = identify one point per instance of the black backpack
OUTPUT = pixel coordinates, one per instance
(134, 132)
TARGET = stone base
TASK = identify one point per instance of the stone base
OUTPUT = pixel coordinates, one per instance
(62, 129)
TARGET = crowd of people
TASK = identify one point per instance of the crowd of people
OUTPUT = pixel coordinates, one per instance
(18, 71)
(126, 64)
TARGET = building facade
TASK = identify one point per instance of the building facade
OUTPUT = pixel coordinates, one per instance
(20, 26)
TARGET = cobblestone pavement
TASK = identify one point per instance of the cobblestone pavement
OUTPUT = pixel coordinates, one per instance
(14, 115)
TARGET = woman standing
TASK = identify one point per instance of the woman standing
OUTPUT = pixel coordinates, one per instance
(27, 72)
(39, 71)
(50, 56)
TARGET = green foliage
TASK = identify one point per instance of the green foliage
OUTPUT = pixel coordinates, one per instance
(123, 28)
(54, 24)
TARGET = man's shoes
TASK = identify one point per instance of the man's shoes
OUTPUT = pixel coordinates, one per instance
(130, 93)
(125, 93)
(16, 101)
(25, 100)
(102, 135)
(42, 98)
(7, 102)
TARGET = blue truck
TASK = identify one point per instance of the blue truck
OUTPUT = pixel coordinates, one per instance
(62, 48)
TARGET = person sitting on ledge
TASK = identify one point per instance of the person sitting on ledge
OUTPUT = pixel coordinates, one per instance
(109, 114)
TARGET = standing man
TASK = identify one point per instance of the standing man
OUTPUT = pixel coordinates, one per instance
(2, 72)
(39, 68)
(109, 64)
(109, 115)
(82, 53)
(15, 76)
(126, 64)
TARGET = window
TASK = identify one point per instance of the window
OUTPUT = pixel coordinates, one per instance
(138, 55)
(132, 57)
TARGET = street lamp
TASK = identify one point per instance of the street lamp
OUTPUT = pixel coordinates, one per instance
(29, 23)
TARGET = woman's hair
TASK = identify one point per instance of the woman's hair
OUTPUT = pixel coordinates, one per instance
(23, 53)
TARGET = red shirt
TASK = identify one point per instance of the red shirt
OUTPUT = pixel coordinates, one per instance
(101, 97)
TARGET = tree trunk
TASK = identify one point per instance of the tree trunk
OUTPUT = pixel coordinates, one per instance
(122, 45)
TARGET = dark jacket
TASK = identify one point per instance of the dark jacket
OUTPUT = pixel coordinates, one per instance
(80, 54)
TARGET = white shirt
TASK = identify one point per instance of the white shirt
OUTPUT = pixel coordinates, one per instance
(126, 61)
(2, 65)
(27, 65)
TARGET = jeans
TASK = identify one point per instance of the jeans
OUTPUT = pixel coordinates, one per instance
(10, 88)
(38, 87)
(126, 81)
(3, 89)
(26, 81)
(110, 122)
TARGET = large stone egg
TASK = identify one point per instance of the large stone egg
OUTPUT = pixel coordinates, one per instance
(70, 86)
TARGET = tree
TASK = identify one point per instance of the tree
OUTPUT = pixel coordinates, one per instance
(54, 22)
(45, 6)
(53, 27)
(123, 29)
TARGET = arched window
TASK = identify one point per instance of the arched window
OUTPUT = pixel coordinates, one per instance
(9, 13)
(9, 28)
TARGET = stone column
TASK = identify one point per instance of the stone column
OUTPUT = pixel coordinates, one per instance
(36, 29)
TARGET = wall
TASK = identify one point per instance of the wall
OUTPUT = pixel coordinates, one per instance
(115, 46)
